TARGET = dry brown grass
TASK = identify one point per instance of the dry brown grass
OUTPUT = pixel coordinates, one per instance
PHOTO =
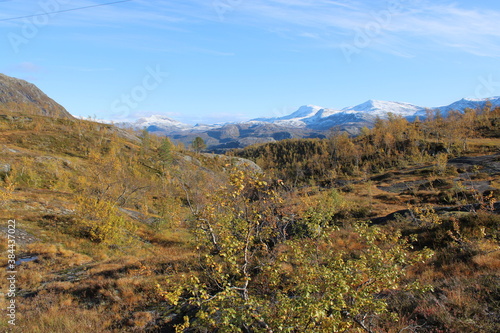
(140, 320)
(489, 261)
(482, 145)
(347, 241)
(60, 314)
(426, 274)
(58, 255)
(59, 286)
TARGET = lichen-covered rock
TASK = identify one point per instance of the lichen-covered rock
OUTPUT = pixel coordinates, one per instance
(4, 168)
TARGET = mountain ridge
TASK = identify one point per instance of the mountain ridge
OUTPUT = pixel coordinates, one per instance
(308, 121)
(17, 95)
(312, 116)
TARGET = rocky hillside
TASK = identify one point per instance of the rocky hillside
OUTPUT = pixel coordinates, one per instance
(20, 96)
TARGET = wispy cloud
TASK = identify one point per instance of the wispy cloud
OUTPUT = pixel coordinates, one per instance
(310, 35)
(469, 30)
(329, 23)
(157, 14)
(437, 25)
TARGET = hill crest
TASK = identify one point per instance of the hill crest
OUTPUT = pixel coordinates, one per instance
(18, 95)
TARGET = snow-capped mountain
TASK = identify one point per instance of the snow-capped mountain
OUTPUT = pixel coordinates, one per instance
(296, 119)
(469, 103)
(303, 112)
(382, 108)
(309, 121)
(156, 122)
(319, 118)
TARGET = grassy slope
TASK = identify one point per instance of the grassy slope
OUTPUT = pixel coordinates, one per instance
(76, 282)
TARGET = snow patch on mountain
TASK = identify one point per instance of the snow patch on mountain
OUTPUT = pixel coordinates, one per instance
(159, 121)
(382, 108)
(469, 103)
(320, 118)
(366, 113)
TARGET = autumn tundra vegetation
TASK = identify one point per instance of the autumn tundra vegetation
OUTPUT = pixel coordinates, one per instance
(394, 230)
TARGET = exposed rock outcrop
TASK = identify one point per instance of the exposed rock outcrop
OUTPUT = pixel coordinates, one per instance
(17, 95)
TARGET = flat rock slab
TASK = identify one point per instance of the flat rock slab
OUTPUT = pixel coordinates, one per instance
(489, 163)
(478, 186)
(405, 213)
(138, 216)
(22, 237)
(403, 187)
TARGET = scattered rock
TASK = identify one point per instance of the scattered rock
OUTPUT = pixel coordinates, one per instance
(487, 163)
(138, 216)
(403, 187)
(6, 149)
(405, 213)
(237, 161)
(22, 237)
(5, 169)
(190, 159)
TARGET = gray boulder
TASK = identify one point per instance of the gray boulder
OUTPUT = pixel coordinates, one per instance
(4, 168)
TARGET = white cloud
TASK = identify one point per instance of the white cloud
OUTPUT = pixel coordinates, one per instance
(310, 35)
(469, 30)
(437, 25)
(330, 23)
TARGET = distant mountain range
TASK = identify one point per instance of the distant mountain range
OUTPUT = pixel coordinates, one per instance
(309, 121)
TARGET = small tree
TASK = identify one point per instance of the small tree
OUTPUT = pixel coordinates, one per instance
(254, 278)
(165, 152)
(145, 141)
(198, 144)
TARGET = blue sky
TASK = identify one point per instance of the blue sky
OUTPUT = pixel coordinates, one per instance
(231, 60)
